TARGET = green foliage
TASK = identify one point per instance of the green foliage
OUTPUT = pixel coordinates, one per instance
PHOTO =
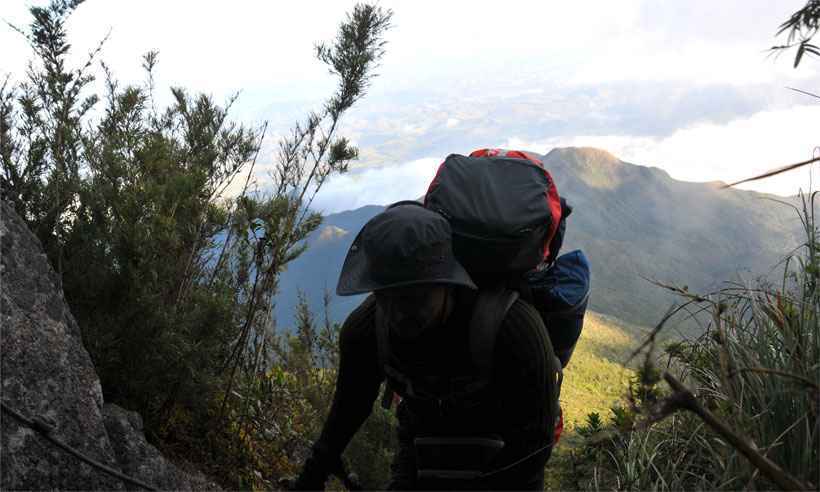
(593, 425)
(596, 378)
(284, 409)
(755, 369)
(625, 453)
(370, 452)
(171, 282)
(594, 381)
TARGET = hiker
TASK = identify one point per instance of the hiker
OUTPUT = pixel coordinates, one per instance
(463, 423)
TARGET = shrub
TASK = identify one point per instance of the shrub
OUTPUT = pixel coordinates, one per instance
(171, 282)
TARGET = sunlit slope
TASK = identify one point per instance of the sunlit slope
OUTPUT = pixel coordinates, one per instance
(596, 378)
(636, 223)
(594, 381)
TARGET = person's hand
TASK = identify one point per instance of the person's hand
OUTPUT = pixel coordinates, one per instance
(311, 478)
(286, 483)
(351, 481)
(290, 483)
(318, 466)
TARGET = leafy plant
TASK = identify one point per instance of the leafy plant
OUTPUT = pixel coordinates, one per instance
(750, 418)
(171, 281)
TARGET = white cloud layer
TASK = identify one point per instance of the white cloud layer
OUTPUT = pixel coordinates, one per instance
(704, 152)
(266, 48)
(730, 152)
(382, 186)
(460, 66)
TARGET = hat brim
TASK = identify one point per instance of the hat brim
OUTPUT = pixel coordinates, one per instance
(356, 277)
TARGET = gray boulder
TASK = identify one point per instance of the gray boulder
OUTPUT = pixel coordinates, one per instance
(138, 458)
(46, 374)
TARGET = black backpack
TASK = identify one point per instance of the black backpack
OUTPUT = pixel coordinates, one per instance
(504, 209)
(508, 224)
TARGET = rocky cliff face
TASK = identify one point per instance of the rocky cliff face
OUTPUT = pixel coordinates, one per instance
(46, 374)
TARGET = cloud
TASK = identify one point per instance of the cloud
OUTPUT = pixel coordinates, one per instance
(407, 181)
(267, 48)
(727, 152)
(701, 152)
(652, 56)
(406, 131)
(705, 151)
(665, 83)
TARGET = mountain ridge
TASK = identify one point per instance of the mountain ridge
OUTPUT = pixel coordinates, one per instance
(634, 223)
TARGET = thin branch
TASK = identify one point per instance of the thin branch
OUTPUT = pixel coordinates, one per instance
(773, 172)
(650, 341)
(803, 92)
(230, 215)
(762, 370)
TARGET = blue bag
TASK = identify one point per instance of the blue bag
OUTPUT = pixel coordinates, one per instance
(560, 293)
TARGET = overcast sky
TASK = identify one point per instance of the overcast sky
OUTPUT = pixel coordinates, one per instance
(687, 86)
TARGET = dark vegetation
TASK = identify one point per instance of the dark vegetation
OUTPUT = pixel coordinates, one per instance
(800, 29)
(171, 282)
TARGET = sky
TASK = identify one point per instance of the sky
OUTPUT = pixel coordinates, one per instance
(686, 86)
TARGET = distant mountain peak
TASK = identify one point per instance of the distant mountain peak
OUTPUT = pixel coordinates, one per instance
(595, 167)
(588, 154)
(633, 222)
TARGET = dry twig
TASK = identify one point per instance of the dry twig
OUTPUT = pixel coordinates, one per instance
(773, 172)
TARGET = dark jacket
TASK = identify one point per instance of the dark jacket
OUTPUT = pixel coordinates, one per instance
(519, 405)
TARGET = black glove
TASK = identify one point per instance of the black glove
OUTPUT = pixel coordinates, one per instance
(317, 468)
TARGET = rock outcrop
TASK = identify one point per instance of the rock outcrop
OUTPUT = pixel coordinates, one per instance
(137, 458)
(46, 374)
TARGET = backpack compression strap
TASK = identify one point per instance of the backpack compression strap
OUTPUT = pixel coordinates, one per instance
(391, 374)
(383, 353)
(491, 307)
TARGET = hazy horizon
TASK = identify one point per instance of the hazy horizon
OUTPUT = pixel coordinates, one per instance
(689, 87)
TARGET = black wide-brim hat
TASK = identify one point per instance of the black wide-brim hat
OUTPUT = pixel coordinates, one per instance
(406, 244)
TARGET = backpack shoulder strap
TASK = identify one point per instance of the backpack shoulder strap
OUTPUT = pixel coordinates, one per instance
(383, 353)
(393, 376)
(491, 307)
(382, 339)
